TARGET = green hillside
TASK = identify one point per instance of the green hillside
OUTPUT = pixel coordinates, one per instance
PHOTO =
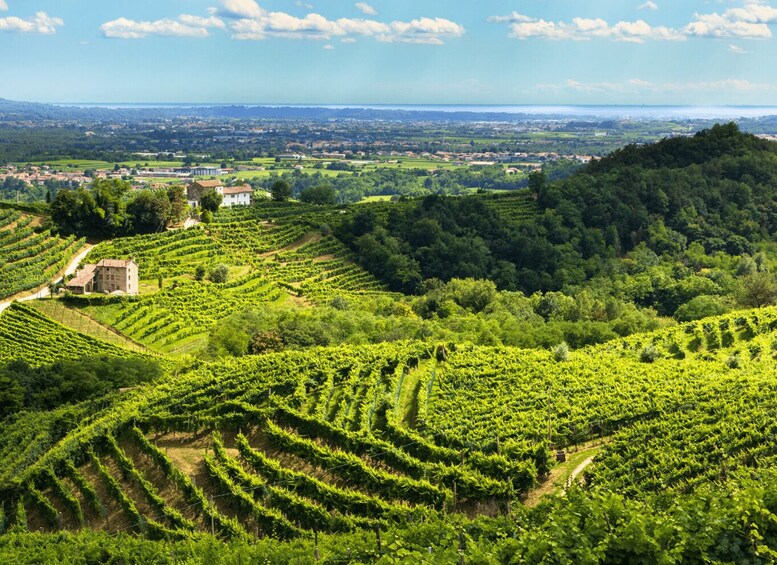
(349, 438)
(272, 396)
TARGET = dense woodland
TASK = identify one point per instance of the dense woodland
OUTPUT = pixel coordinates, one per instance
(675, 207)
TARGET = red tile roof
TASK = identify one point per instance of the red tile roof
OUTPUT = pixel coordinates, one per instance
(115, 263)
(84, 277)
(238, 189)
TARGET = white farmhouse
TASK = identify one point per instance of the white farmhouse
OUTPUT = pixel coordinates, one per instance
(232, 195)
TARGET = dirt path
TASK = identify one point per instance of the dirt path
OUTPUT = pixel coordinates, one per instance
(562, 476)
(43, 291)
(579, 469)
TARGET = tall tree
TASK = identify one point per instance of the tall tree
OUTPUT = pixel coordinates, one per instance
(280, 190)
(211, 200)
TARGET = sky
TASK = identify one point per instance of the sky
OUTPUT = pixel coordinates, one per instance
(652, 52)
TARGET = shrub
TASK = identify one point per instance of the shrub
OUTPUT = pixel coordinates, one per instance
(561, 352)
(649, 354)
(219, 274)
(265, 342)
(734, 361)
(200, 272)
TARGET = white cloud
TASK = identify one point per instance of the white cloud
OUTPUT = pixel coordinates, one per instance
(197, 21)
(581, 29)
(241, 9)
(264, 25)
(423, 30)
(329, 46)
(366, 9)
(41, 23)
(751, 21)
(280, 24)
(514, 18)
(247, 20)
(3, 6)
(737, 49)
(184, 26)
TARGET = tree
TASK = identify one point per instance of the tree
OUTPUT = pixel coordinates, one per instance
(75, 212)
(200, 272)
(178, 204)
(11, 396)
(149, 211)
(321, 195)
(757, 290)
(211, 200)
(702, 306)
(537, 181)
(219, 273)
(280, 190)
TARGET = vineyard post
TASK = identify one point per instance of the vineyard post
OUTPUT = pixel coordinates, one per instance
(212, 519)
(549, 418)
(316, 554)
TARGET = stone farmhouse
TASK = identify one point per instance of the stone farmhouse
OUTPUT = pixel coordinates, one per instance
(232, 195)
(110, 276)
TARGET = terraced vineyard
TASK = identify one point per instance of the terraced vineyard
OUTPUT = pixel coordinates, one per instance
(29, 259)
(350, 438)
(164, 254)
(513, 207)
(280, 260)
(26, 333)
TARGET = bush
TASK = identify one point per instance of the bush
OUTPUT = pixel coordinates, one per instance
(700, 307)
(561, 352)
(206, 216)
(265, 342)
(219, 274)
(200, 272)
(734, 361)
(649, 354)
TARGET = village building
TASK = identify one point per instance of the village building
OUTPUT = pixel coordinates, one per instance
(237, 195)
(232, 195)
(199, 171)
(196, 189)
(110, 276)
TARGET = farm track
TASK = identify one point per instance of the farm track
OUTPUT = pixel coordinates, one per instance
(43, 290)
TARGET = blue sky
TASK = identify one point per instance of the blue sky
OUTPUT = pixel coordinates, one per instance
(700, 52)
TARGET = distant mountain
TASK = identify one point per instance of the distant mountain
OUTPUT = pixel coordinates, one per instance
(19, 111)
